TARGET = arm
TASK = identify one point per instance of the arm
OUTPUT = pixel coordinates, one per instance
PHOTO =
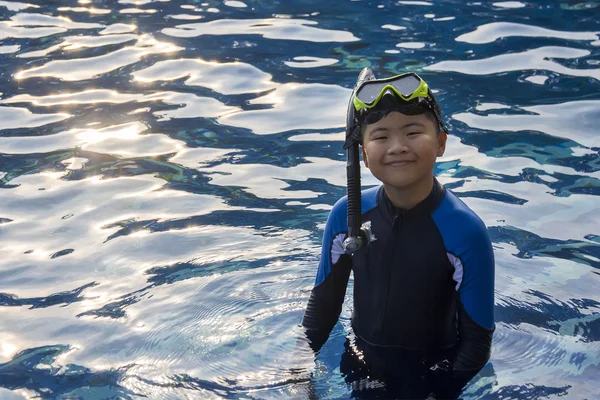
(325, 304)
(327, 296)
(475, 313)
(475, 305)
(473, 352)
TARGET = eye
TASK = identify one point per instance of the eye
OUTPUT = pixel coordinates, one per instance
(380, 137)
(413, 133)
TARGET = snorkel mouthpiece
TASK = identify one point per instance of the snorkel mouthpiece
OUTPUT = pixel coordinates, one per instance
(355, 238)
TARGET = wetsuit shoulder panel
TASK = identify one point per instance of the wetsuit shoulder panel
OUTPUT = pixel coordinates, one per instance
(470, 251)
(336, 230)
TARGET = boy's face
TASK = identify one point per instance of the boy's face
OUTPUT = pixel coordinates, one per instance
(400, 150)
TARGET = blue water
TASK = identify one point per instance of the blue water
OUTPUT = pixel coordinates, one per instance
(166, 169)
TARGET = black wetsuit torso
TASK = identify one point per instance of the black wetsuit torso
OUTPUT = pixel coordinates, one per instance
(424, 282)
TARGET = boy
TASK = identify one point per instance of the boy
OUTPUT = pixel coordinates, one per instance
(424, 281)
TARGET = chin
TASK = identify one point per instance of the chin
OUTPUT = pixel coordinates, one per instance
(399, 183)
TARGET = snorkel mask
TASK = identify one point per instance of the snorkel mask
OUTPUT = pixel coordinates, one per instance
(371, 100)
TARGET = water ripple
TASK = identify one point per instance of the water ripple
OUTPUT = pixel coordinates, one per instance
(42, 302)
(555, 119)
(70, 43)
(33, 369)
(489, 33)
(18, 118)
(26, 25)
(92, 67)
(293, 107)
(226, 78)
(270, 28)
(535, 59)
(16, 6)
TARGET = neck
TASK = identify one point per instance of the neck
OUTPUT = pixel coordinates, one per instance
(408, 197)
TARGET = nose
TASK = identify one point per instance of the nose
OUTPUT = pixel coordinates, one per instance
(398, 145)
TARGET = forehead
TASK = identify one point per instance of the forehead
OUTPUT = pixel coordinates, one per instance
(396, 120)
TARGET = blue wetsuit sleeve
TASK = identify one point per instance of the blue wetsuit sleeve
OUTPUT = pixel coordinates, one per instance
(470, 251)
(327, 296)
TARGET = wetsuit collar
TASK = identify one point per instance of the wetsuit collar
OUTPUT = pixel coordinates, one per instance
(427, 205)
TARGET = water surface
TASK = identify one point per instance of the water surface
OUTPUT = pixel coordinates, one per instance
(167, 166)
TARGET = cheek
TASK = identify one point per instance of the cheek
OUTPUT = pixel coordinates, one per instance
(432, 147)
(369, 150)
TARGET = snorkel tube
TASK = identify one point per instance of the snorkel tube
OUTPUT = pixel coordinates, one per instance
(356, 238)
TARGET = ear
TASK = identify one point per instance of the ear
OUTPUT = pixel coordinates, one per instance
(365, 158)
(442, 137)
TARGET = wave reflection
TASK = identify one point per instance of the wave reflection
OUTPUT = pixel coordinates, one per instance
(88, 68)
(536, 59)
(270, 28)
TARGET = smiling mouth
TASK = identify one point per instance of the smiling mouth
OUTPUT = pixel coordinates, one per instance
(399, 163)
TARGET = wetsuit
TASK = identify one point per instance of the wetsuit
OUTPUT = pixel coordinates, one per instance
(424, 284)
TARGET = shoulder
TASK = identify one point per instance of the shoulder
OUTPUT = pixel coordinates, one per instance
(461, 228)
(454, 213)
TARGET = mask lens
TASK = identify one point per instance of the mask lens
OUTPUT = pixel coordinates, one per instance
(407, 85)
(369, 92)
